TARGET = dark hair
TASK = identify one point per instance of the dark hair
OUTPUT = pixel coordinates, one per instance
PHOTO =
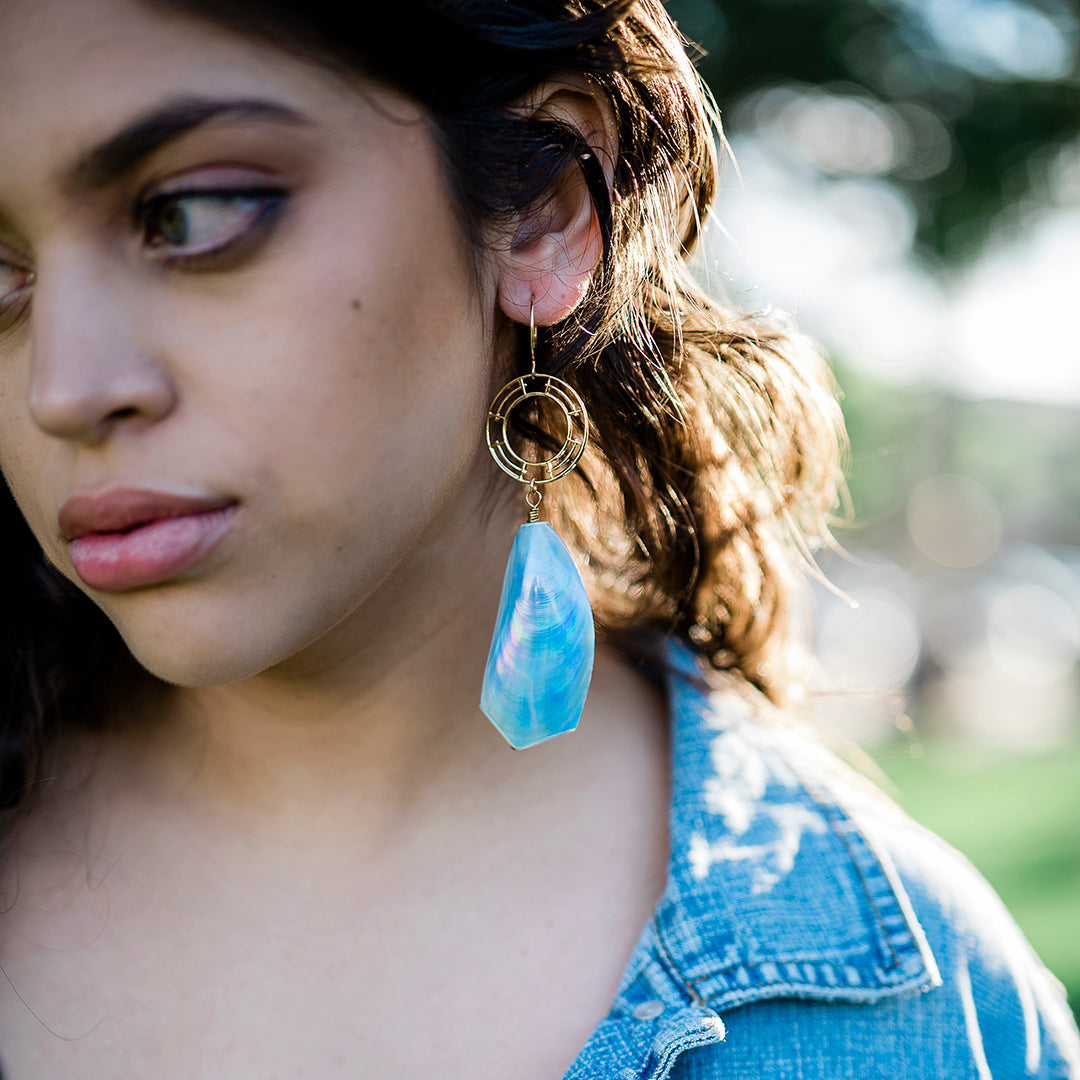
(717, 438)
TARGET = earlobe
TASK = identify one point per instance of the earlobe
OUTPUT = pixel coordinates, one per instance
(552, 272)
(558, 245)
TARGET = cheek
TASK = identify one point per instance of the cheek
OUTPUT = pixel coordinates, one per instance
(370, 365)
(385, 436)
(353, 407)
(347, 432)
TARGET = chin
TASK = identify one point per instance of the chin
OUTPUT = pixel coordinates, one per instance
(205, 649)
(204, 634)
(197, 668)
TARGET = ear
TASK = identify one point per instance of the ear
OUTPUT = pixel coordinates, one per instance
(558, 245)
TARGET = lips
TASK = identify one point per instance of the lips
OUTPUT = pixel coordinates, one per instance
(126, 538)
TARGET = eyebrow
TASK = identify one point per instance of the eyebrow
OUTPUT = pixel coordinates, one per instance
(125, 151)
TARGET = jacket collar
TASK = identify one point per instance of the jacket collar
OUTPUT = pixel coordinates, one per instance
(773, 889)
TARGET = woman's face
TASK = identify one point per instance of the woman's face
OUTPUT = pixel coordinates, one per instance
(244, 362)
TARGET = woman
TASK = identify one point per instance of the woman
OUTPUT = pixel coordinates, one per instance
(263, 269)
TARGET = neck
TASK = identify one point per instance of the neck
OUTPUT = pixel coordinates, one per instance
(374, 732)
(378, 715)
(377, 725)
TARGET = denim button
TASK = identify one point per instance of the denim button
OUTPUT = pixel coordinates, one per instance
(648, 1010)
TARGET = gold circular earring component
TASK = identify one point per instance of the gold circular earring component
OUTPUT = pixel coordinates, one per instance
(514, 394)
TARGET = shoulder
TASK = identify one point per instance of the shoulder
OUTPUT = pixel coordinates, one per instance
(996, 1005)
(832, 935)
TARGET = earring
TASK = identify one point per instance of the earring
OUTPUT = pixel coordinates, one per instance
(541, 657)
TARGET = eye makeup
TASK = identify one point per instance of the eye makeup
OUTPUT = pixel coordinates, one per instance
(204, 229)
(208, 218)
(16, 281)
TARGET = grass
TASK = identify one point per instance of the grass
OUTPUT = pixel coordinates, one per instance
(1017, 818)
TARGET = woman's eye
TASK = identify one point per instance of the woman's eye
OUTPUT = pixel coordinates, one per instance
(187, 225)
(15, 282)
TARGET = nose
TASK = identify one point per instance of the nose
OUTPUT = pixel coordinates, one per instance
(89, 373)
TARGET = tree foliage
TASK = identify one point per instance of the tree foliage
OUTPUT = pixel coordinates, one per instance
(1001, 77)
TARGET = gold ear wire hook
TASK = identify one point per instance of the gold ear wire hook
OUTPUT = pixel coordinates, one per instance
(532, 334)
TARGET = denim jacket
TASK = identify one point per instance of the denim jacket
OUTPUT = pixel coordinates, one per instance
(810, 930)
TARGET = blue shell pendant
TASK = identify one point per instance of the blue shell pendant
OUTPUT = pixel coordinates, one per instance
(541, 655)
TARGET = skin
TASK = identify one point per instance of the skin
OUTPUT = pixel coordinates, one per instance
(266, 872)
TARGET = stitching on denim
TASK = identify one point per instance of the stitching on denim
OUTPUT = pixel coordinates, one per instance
(762, 991)
(843, 992)
(689, 1041)
(863, 880)
(673, 968)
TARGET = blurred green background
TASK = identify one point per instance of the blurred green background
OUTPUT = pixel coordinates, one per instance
(908, 187)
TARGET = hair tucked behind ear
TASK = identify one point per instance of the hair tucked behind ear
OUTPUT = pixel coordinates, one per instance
(717, 440)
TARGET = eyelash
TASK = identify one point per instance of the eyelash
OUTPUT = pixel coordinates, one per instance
(250, 225)
(11, 303)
